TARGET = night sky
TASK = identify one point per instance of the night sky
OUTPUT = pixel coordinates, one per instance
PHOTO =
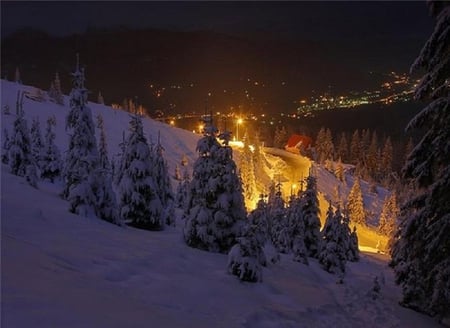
(293, 20)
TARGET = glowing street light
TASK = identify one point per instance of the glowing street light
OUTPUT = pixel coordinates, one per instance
(238, 122)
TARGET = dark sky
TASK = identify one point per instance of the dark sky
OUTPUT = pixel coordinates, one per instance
(318, 20)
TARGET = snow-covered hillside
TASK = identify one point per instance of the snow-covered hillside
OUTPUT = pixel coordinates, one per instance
(64, 270)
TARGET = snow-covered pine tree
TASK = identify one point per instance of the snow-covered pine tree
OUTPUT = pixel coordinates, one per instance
(37, 144)
(353, 250)
(6, 144)
(215, 209)
(355, 148)
(296, 226)
(119, 164)
(183, 190)
(311, 211)
(59, 97)
(19, 155)
(86, 186)
(278, 221)
(105, 164)
(163, 185)
(386, 159)
(244, 258)
(421, 253)
(342, 150)
(259, 217)
(319, 145)
(333, 249)
(51, 161)
(339, 170)
(247, 169)
(389, 216)
(355, 204)
(371, 159)
(140, 205)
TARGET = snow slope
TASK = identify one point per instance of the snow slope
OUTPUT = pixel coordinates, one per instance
(63, 270)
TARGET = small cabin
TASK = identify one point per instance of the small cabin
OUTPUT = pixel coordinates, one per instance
(298, 144)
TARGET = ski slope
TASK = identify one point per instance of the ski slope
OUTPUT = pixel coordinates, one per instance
(63, 270)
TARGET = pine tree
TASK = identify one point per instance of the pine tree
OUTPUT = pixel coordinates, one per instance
(105, 164)
(248, 174)
(37, 144)
(86, 185)
(421, 253)
(215, 209)
(333, 250)
(140, 205)
(310, 210)
(296, 225)
(339, 171)
(278, 221)
(163, 185)
(353, 250)
(355, 148)
(342, 150)
(386, 159)
(51, 161)
(320, 145)
(371, 162)
(389, 216)
(355, 204)
(6, 144)
(58, 96)
(20, 156)
(244, 258)
(182, 190)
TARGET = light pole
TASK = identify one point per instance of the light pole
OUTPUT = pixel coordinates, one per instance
(238, 122)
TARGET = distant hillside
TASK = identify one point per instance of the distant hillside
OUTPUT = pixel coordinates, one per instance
(124, 63)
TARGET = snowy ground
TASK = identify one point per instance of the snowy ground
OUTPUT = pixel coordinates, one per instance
(62, 270)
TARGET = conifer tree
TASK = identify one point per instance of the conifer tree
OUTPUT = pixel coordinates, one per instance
(342, 150)
(140, 205)
(51, 161)
(248, 174)
(333, 250)
(105, 164)
(386, 159)
(163, 185)
(389, 216)
(86, 186)
(20, 156)
(278, 221)
(355, 148)
(339, 171)
(59, 97)
(215, 209)
(182, 190)
(310, 210)
(421, 254)
(355, 204)
(296, 225)
(37, 144)
(244, 258)
(371, 161)
(6, 144)
(353, 250)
